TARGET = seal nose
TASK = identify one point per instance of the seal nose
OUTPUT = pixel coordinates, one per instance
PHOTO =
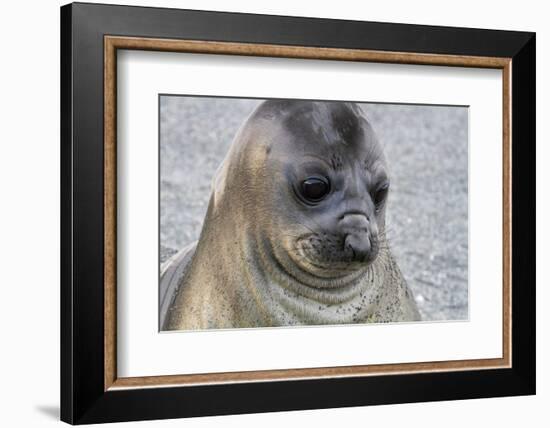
(359, 245)
(355, 226)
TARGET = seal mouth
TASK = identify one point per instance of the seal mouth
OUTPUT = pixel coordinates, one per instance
(332, 256)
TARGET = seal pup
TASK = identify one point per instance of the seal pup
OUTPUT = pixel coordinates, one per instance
(295, 229)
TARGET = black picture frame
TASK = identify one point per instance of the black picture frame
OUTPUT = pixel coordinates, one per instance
(83, 396)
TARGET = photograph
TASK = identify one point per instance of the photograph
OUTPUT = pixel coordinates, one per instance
(296, 212)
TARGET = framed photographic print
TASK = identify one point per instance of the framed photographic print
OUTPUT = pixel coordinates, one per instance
(265, 213)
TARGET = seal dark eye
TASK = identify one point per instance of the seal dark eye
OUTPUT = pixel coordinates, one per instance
(314, 189)
(380, 195)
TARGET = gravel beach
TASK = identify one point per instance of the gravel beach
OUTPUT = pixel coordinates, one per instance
(427, 215)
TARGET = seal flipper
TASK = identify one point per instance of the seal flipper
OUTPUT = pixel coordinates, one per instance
(171, 273)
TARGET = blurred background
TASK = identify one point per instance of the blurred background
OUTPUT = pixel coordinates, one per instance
(427, 215)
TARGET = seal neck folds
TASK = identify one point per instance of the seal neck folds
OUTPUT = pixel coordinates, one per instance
(305, 298)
